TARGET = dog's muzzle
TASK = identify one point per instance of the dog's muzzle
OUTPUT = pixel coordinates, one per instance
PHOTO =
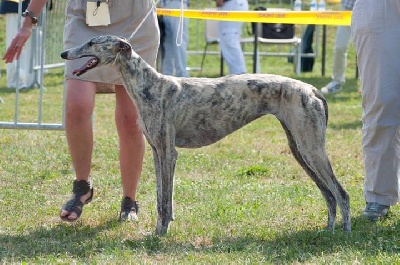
(92, 63)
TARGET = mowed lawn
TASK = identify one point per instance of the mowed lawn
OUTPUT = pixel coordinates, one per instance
(243, 200)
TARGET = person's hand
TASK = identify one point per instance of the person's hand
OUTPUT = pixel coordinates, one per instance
(14, 50)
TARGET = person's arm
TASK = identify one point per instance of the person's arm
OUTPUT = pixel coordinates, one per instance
(15, 48)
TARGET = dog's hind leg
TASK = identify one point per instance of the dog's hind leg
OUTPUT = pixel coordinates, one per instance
(329, 198)
(164, 162)
(308, 147)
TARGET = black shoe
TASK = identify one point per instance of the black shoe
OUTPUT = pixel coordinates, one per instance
(129, 210)
(375, 211)
(74, 205)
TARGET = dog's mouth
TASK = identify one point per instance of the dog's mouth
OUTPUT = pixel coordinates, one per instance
(92, 63)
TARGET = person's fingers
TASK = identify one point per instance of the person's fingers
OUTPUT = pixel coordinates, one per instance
(14, 50)
(12, 53)
(18, 52)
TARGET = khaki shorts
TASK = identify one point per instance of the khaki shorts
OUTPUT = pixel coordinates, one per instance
(125, 17)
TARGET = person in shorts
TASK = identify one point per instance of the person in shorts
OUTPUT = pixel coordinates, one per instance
(124, 18)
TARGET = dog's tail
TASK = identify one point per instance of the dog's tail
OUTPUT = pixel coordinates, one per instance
(319, 95)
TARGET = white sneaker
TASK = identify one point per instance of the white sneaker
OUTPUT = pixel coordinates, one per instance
(332, 87)
(1, 100)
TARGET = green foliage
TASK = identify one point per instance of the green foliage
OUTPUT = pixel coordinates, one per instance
(243, 200)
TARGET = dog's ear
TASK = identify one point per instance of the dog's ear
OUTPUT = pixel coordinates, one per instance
(125, 48)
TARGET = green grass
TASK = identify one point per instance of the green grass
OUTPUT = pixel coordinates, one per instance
(243, 200)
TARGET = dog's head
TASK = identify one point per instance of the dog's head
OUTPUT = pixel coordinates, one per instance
(103, 49)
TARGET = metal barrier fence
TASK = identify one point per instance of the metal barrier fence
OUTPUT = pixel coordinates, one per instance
(45, 55)
(47, 41)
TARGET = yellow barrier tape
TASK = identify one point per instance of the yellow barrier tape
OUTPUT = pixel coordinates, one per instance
(335, 18)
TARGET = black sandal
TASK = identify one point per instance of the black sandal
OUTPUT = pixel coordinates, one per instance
(74, 205)
(129, 210)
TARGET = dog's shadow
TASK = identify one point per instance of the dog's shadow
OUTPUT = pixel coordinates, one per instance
(79, 241)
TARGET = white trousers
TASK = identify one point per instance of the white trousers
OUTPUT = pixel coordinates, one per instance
(229, 37)
(342, 41)
(26, 74)
(174, 58)
(375, 26)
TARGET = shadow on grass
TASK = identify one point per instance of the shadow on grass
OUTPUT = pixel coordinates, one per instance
(62, 239)
(5, 90)
(367, 239)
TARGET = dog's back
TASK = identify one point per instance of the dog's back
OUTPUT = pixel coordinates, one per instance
(206, 110)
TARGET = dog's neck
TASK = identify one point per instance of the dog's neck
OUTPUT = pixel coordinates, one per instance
(138, 76)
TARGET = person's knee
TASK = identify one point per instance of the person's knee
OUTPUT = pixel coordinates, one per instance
(128, 124)
(80, 100)
(77, 114)
(78, 111)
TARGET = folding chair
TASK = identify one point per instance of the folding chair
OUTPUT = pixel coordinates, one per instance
(294, 41)
(211, 37)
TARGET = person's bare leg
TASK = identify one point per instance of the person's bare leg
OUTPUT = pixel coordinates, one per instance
(80, 103)
(131, 142)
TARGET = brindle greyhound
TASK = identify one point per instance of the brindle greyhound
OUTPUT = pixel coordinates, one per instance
(195, 112)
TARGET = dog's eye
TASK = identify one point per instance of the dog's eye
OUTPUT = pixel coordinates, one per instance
(90, 43)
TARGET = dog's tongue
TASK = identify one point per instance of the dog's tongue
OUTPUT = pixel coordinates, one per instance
(89, 65)
(78, 72)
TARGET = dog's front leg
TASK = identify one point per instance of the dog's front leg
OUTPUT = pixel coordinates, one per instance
(164, 161)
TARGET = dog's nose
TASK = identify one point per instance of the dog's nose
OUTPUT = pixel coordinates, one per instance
(64, 55)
